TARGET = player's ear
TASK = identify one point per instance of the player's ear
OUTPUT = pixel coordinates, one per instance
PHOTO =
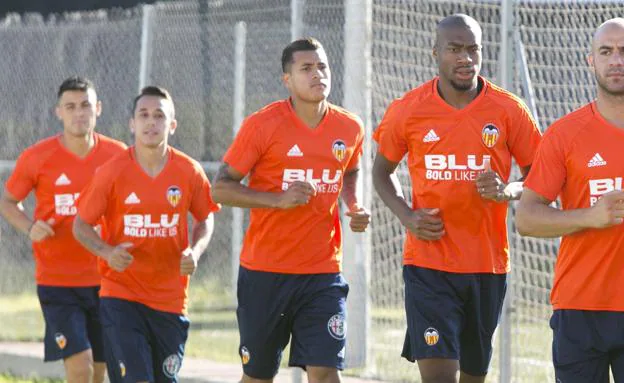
(434, 48)
(131, 125)
(590, 60)
(173, 126)
(286, 79)
(57, 111)
(98, 108)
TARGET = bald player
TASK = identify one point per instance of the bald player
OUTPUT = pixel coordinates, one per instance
(581, 161)
(459, 132)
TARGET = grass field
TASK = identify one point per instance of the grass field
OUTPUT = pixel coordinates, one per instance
(214, 336)
(13, 379)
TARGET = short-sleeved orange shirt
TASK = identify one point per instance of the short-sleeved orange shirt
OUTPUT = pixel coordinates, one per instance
(579, 160)
(446, 149)
(276, 148)
(151, 213)
(57, 177)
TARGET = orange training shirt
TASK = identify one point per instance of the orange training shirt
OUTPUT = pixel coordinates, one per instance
(580, 159)
(57, 177)
(276, 148)
(446, 149)
(151, 213)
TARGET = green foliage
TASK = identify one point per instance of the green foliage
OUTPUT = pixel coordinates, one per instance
(13, 379)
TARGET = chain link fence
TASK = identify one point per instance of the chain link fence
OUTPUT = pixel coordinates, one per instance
(189, 48)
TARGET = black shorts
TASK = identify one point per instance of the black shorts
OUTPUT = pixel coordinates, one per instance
(72, 321)
(273, 307)
(452, 316)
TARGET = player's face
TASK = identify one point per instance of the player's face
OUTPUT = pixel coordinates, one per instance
(152, 122)
(458, 52)
(78, 111)
(607, 60)
(309, 78)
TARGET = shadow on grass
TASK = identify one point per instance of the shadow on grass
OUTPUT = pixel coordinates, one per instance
(213, 325)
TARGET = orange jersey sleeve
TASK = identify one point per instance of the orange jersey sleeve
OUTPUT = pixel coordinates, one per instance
(201, 203)
(525, 136)
(548, 173)
(96, 192)
(390, 134)
(247, 147)
(23, 179)
(57, 177)
(354, 162)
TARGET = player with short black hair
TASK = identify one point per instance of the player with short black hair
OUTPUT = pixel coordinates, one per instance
(301, 154)
(57, 169)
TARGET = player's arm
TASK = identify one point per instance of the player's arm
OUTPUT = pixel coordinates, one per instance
(201, 235)
(89, 238)
(535, 218)
(117, 257)
(360, 217)
(13, 211)
(423, 223)
(227, 189)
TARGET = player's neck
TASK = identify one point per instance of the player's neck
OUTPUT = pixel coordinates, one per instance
(311, 113)
(458, 99)
(152, 160)
(611, 108)
(78, 145)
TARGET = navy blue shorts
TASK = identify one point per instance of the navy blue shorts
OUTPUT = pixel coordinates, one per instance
(452, 316)
(72, 321)
(586, 344)
(142, 344)
(273, 307)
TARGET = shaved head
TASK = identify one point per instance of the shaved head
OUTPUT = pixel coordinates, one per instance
(614, 24)
(607, 57)
(457, 50)
(456, 21)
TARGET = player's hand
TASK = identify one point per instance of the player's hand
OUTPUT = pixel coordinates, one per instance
(608, 210)
(490, 185)
(360, 218)
(41, 230)
(119, 258)
(425, 224)
(188, 262)
(297, 194)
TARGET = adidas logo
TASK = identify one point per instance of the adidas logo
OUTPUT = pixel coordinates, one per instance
(431, 137)
(295, 152)
(62, 180)
(132, 199)
(596, 160)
